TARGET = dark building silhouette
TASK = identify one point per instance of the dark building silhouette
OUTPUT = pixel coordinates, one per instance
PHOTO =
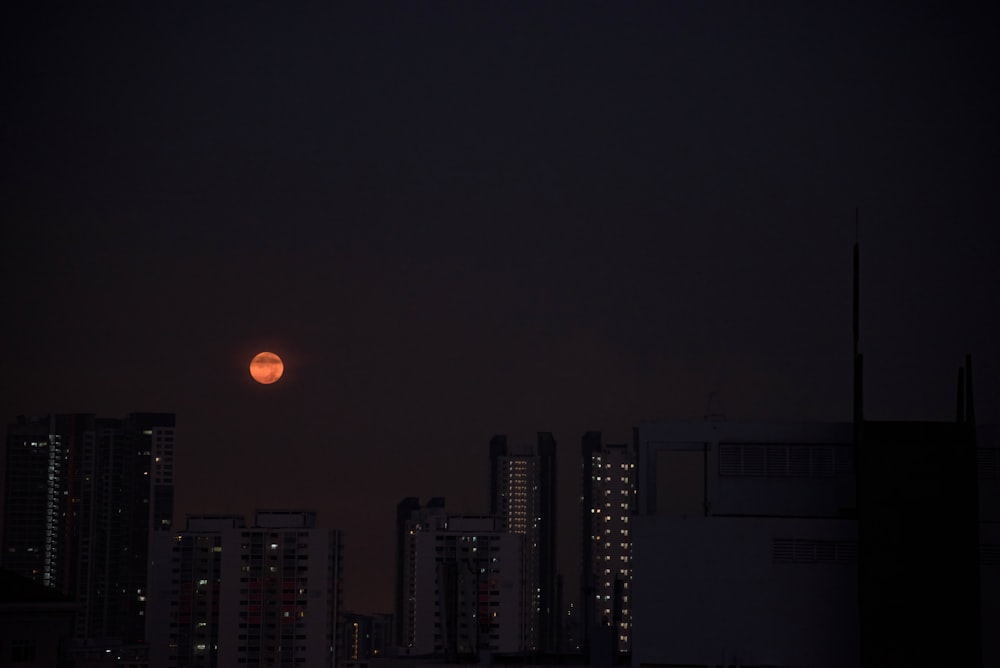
(918, 545)
(405, 509)
(84, 498)
(523, 496)
(918, 508)
(42, 499)
(919, 537)
(36, 623)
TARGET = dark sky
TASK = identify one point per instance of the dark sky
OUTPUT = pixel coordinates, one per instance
(460, 219)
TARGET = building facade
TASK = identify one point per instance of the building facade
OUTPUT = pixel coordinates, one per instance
(607, 502)
(364, 637)
(467, 588)
(411, 519)
(262, 595)
(745, 545)
(523, 497)
(185, 597)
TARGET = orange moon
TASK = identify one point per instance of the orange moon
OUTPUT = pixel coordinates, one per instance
(266, 368)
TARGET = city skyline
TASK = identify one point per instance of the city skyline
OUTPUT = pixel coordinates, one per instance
(749, 467)
(463, 219)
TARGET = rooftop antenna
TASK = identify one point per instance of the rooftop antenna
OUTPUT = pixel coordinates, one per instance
(857, 282)
(714, 411)
(970, 406)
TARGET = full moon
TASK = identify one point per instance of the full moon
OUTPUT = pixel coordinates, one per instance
(266, 368)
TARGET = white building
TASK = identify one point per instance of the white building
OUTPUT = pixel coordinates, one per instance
(745, 551)
(466, 575)
(411, 519)
(183, 620)
(266, 595)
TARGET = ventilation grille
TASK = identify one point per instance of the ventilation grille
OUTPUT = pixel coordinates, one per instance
(989, 555)
(787, 461)
(989, 463)
(810, 551)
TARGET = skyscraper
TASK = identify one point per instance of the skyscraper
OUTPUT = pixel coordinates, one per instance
(84, 499)
(41, 498)
(607, 503)
(523, 497)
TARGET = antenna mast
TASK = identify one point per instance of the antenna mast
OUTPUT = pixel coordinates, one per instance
(857, 281)
(858, 359)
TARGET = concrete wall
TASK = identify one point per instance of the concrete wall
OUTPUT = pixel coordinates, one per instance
(710, 592)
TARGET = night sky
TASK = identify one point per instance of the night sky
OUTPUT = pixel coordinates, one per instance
(460, 219)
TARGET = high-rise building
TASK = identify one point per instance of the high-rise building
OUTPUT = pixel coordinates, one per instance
(411, 519)
(523, 497)
(84, 499)
(185, 599)
(465, 587)
(269, 594)
(607, 504)
(36, 624)
(41, 498)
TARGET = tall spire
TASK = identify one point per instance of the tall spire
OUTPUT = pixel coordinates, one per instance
(858, 394)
